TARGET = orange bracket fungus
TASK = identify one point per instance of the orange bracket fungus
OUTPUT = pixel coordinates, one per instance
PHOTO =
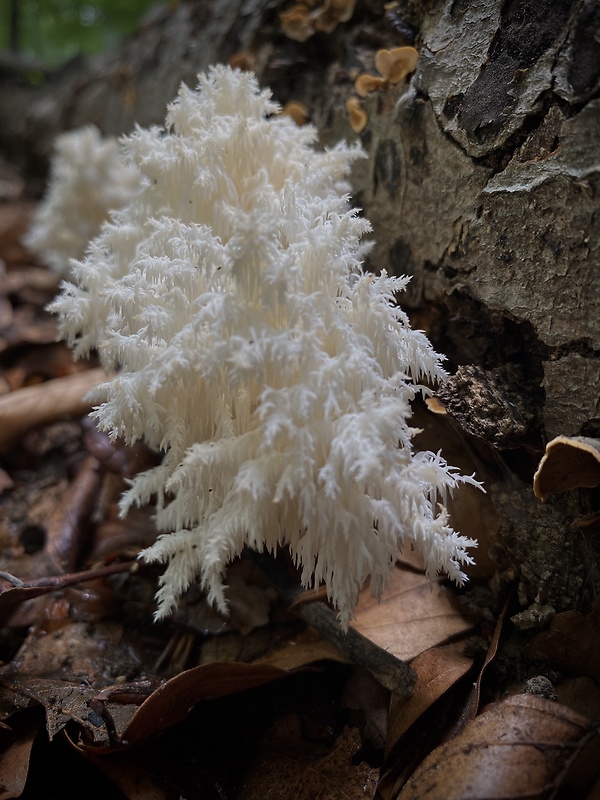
(302, 20)
(357, 114)
(394, 65)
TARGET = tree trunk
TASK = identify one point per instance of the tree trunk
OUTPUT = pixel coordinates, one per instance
(481, 182)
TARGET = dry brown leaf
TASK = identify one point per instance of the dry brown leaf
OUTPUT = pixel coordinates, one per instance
(471, 707)
(171, 702)
(581, 695)
(62, 701)
(15, 750)
(437, 671)
(71, 652)
(413, 615)
(47, 402)
(67, 525)
(572, 642)
(411, 733)
(520, 747)
(305, 648)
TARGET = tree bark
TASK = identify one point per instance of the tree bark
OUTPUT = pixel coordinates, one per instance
(481, 182)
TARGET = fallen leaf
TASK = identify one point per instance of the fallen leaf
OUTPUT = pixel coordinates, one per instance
(572, 642)
(62, 701)
(437, 671)
(412, 731)
(172, 701)
(15, 752)
(471, 707)
(307, 647)
(389, 670)
(520, 747)
(581, 695)
(413, 615)
(78, 652)
(68, 524)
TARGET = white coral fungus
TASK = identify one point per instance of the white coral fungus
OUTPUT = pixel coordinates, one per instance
(87, 180)
(254, 351)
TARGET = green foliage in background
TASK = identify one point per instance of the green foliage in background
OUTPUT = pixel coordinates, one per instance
(54, 30)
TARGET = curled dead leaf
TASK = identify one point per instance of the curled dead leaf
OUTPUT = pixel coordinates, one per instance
(172, 701)
(519, 747)
(67, 527)
(15, 752)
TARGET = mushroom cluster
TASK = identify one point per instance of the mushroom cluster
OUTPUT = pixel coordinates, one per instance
(252, 348)
(88, 179)
(303, 20)
(393, 67)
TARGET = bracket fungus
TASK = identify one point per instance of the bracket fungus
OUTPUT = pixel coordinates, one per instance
(356, 114)
(297, 111)
(570, 462)
(303, 20)
(393, 65)
(253, 349)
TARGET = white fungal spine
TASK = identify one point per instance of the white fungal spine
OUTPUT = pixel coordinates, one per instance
(88, 179)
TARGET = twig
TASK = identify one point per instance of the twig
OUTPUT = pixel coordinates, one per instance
(61, 398)
(391, 672)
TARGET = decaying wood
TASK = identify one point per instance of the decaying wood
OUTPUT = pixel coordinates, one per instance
(62, 398)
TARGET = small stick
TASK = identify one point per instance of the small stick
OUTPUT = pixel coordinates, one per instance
(61, 398)
(392, 673)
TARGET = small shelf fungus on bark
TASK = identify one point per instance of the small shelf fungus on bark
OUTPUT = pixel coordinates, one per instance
(570, 462)
(393, 65)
